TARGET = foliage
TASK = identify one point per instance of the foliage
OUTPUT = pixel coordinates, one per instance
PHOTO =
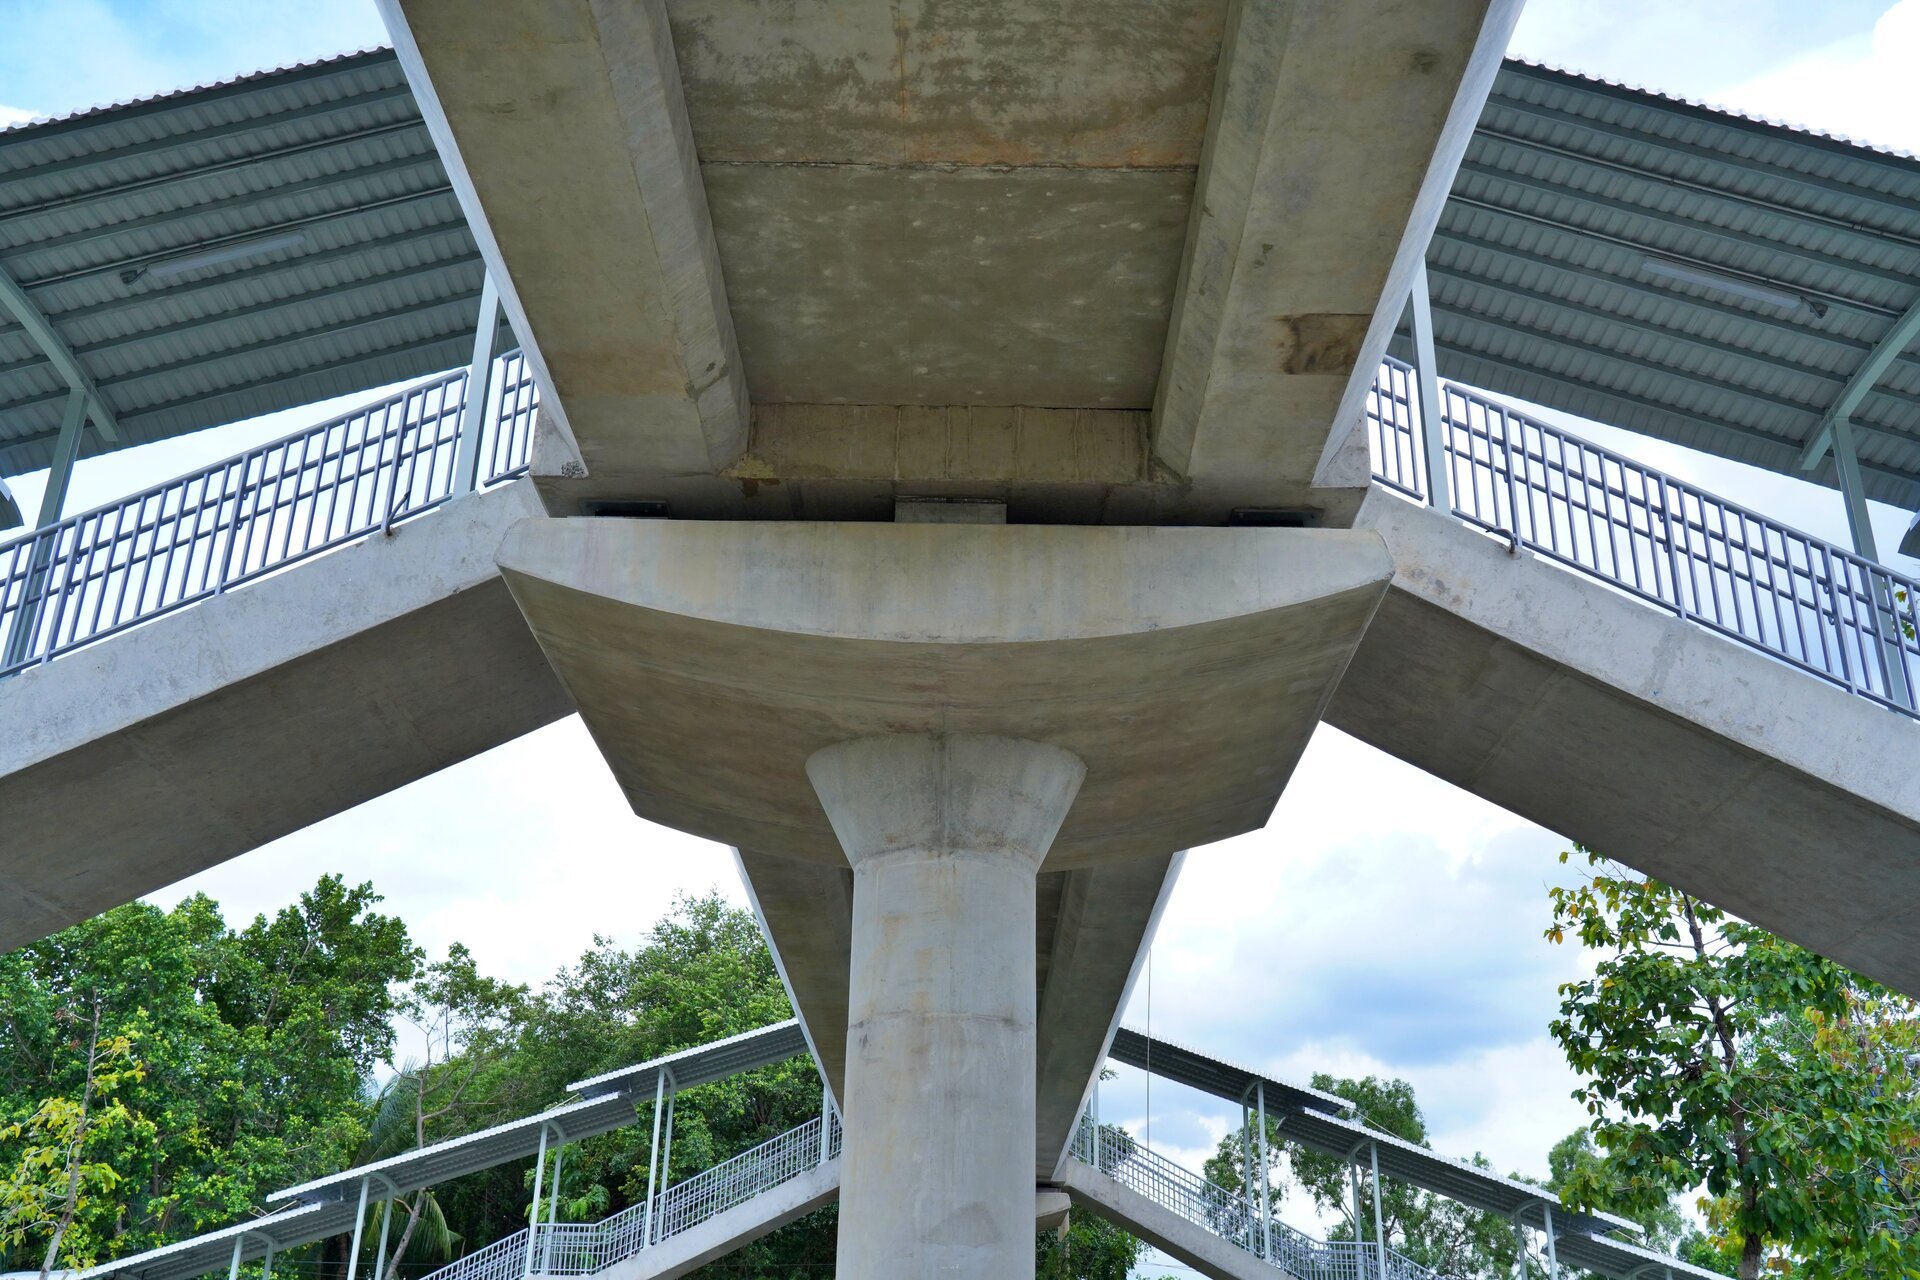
(254, 1049)
(55, 1178)
(1091, 1249)
(1716, 1055)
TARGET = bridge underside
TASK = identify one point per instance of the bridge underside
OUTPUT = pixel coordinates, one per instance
(1109, 262)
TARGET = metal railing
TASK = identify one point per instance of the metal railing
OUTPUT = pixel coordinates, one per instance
(1233, 1217)
(1809, 603)
(583, 1248)
(100, 572)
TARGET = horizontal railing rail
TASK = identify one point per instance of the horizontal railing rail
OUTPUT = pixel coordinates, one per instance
(583, 1248)
(1233, 1217)
(1806, 602)
(99, 572)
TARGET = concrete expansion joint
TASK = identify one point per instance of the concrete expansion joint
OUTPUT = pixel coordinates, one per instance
(949, 166)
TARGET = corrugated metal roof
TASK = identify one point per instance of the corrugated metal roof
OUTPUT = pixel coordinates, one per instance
(231, 250)
(284, 1229)
(702, 1064)
(1682, 271)
(1310, 1121)
(1216, 1076)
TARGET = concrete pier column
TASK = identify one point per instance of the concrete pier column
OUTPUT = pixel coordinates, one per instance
(946, 834)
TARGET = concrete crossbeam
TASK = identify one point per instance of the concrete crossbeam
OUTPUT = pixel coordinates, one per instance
(158, 753)
(1334, 136)
(1693, 758)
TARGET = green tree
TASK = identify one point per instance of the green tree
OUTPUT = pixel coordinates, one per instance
(1716, 1055)
(255, 1048)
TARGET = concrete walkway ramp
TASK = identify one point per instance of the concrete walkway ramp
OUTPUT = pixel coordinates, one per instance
(1203, 1250)
(1728, 773)
(725, 1232)
(161, 751)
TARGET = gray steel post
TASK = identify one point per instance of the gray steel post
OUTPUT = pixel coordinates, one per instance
(1266, 1197)
(66, 451)
(666, 1145)
(533, 1218)
(466, 450)
(266, 1264)
(1553, 1259)
(1379, 1219)
(233, 1267)
(826, 1120)
(653, 1154)
(1433, 429)
(1096, 1123)
(359, 1225)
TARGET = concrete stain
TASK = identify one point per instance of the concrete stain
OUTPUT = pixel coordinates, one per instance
(1319, 343)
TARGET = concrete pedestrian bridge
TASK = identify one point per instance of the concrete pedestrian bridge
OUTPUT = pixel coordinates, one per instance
(956, 454)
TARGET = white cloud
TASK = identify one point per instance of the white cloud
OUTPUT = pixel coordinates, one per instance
(1860, 88)
(10, 116)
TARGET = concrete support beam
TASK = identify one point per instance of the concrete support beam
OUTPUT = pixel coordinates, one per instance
(1211, 1255)
(1102, 927)
(946, 834)
(1318, 192)
(202, 735)
(563, 127)
(1691, 757)
(806, 911)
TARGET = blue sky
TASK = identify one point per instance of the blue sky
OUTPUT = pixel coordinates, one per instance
(1383, 922)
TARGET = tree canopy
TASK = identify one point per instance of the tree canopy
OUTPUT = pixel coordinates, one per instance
(1715, 1055)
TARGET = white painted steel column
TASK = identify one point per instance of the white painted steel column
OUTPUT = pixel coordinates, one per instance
(380, 1247)
(1266, 1198)
(359, 1225)
(946, 834)
(473, 412)
(1379, 1219)
(653, 1153)
(666, 1150)
(1553, 1259)
(1426, 383)
(553, 1207)
(266, 1264)
(233, 1267)
(533, 1219)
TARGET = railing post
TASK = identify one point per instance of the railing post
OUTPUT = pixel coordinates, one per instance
(533, 1219)
(1426, 380)
(473, 409)
(1667, 495)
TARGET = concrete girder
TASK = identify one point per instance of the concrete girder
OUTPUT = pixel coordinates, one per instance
(1765, 791)
(1318, 193)
(564, 130)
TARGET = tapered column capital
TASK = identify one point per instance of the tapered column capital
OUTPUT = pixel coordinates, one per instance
(955, 794)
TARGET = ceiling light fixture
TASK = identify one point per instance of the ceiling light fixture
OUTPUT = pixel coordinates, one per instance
(170, 267)
(1730, 285)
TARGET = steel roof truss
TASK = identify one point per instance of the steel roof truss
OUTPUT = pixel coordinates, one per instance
(30, 317)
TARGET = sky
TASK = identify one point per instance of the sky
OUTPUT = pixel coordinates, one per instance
(1382, 923)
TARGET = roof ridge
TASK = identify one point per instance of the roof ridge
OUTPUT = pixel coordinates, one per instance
(1733, 114)
(9, 133)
